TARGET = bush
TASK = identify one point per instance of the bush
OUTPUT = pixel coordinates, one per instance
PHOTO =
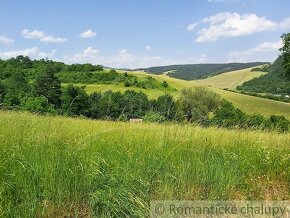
(195, 104)
(37, 105)
(280, 123)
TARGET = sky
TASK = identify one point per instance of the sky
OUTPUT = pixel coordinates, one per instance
(136, 34)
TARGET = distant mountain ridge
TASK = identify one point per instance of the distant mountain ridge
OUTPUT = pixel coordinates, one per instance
(199, 71)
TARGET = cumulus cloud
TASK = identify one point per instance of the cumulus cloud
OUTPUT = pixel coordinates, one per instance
(121, 59)
(88, 34)
(192, 26)
(233, 24)
(33, 52)
(266, 51)
(36, 34)
(4, 40)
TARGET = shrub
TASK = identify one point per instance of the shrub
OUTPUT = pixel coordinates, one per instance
(37, 105)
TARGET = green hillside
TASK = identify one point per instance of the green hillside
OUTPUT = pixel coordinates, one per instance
(199, 71)
(246, 103)
(231, 80)
(98, 79)
(274, 82)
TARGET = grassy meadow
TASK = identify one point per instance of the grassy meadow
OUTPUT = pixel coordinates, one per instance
(232, 79)
(57, 166)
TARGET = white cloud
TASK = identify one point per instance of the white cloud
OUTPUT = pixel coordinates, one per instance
(233, 24)
(202, 59)
(88, 34)
(192, 26)
(36, 34)
(122, 59)
(148, 48)
(285, 24)
(33, 52)
(266, 51)
(6, 41)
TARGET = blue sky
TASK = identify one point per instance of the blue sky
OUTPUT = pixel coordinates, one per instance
(132, 33)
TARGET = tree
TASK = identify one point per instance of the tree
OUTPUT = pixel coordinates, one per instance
(110, 105)
(47, 84)
(228, 116)
(24, 61)
(16, 87)
(285, 53)
(94, 99)
(75, 101)
(195, 104)
(165, 105)
(136, 104)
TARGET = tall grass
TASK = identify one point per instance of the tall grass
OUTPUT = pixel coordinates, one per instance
(55, 166)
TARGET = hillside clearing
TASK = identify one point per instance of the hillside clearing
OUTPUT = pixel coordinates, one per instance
(232, 79)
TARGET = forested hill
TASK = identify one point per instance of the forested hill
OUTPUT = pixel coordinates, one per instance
(199, 71)
(274, 82)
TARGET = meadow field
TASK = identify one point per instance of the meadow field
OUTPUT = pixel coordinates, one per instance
(57, 166)
(231, 79)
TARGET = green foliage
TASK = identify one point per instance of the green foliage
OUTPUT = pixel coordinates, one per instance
(280, 123)
(164, 84)
(277, 80)
(48, 85)
(110, 105)
(94, 99)
(37, 105)
(199, 71)
(136, 104)
(154, 117)
(75, 101)
(228, 116)
(84, 68)
(285, 54)
(195, 104)
(166, 106)
(16, 88)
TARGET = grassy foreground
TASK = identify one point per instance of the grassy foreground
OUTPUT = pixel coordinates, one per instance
(55, 166)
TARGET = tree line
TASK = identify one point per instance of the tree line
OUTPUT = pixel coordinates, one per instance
(195, 105)
(76, 73)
